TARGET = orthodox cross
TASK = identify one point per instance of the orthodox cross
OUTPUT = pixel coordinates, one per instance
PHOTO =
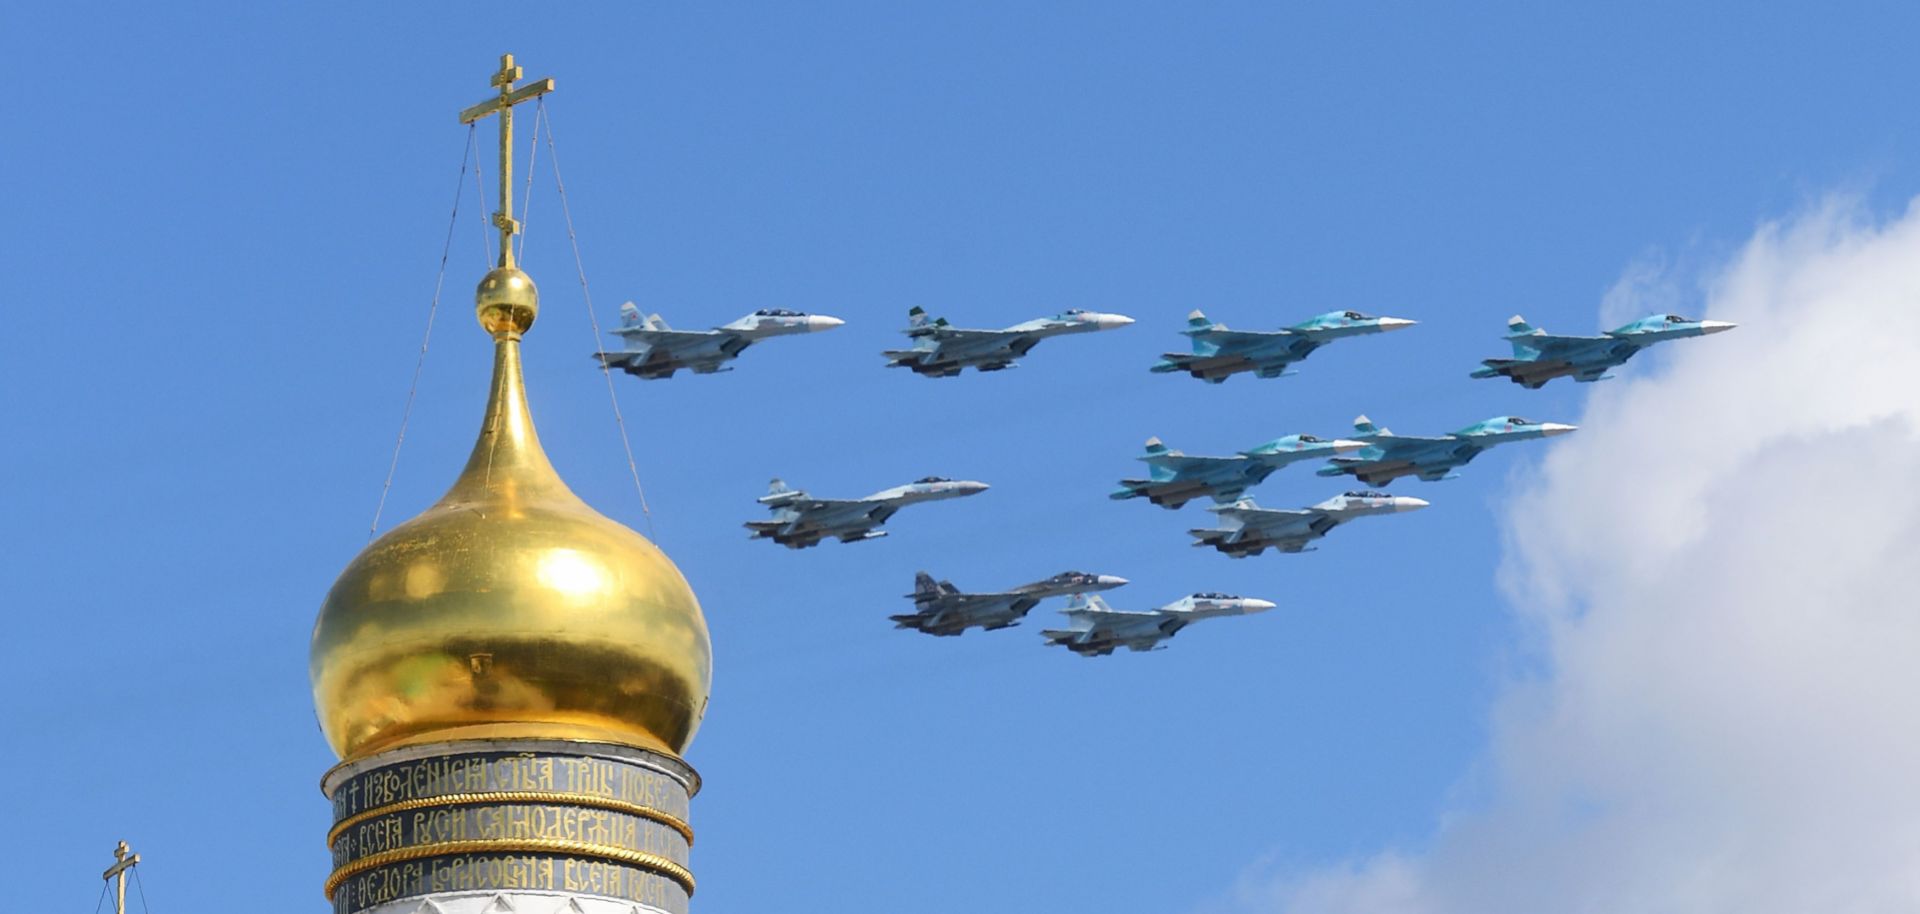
(503, 106)
(123, 861)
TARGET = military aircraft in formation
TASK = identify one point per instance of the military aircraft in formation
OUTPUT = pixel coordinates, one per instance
(800, 520)
(1388, 456)
(1219, 353)
(1173, 478)
(655, 351)
(941, 350)
(1094, 629)
(1539, 357)
(939, 608)
(1374, 455)
(1248, 529)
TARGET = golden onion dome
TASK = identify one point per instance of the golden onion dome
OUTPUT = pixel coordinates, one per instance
(510, 609)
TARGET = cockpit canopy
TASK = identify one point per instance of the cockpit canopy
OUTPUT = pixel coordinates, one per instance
(1677, 319)
(1366, 493)
(924, 479)
(1214, 595)
(1308, 439)
(1516, 420)
(1356, 316)
(778, 312)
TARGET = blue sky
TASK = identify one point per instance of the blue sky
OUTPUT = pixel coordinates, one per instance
(224, 229)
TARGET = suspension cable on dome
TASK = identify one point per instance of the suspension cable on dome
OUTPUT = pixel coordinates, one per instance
(526, 197)
(480, 184)
(433, 307)
(566, 213)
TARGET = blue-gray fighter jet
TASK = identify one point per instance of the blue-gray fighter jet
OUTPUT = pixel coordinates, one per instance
(939, 608)
(1248, 529)
(1539, 357)
(1094, 629)
(655, 351)
(1388, 456)
(1219, 353)
(941, 350)
(1173, 478)
(800, 520)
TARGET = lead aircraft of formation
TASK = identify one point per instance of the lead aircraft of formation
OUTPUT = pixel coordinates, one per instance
(1539, 357)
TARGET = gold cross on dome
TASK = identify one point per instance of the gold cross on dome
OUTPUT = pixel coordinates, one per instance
(503, 106)
(123, 861)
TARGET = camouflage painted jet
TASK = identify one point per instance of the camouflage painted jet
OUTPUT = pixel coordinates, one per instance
(654, 351)
(800, 521)
(1219, 353)
(939, 608)
(941, 350)
(1095, 629)
(1248, 529)
(1173, 478)
(1539, 357)
(1389, 456)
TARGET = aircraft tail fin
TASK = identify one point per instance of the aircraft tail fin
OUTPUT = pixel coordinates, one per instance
(1364, 426)
(924, 586)
(1156, 447)
(779, 494)
(920, 324)
(1520, 333)
(1197, 320)
(629, 315)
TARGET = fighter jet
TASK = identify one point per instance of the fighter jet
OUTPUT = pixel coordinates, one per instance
(941, 350)
(1389, 456)
(1095, 629)
(800, 521)
(1219, 353)
(1173, 478)
(1248, 529)
(941, 609)
(655, 351)
(1539, 357)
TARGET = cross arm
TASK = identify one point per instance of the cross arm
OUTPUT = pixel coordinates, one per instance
(531, 90)
(115, 869)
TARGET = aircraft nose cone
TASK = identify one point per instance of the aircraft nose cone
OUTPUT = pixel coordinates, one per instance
(1254, 606)
(1409, 503)
(1111, 321)
(1395, 323)
(1551, 429)
(1109, 580)
(819, 322)
(1716, 326)
(973, 488)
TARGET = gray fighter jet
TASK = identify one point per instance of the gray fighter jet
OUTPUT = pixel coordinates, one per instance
(655, 351)
(941, 609)
(1173, 478)
(1219, 353)
(1095, 629)
(800, 520)
(1388, 456)
(1248, 529)
(941, 350)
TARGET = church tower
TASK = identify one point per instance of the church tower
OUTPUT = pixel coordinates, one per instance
(510, 677)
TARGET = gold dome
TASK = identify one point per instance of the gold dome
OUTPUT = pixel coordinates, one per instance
(510, 609)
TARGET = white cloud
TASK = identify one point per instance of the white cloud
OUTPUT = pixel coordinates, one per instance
(1723, 571)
